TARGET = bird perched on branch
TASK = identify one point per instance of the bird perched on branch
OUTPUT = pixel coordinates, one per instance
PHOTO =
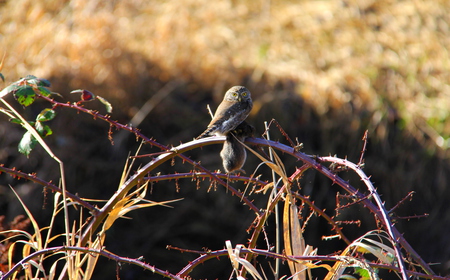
(233, 110)
(233, 153)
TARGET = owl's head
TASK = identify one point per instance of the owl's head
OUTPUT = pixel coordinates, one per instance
(238, 93)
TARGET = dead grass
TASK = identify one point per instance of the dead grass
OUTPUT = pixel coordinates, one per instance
(345, 55)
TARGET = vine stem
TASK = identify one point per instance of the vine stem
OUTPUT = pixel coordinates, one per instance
(394, 235)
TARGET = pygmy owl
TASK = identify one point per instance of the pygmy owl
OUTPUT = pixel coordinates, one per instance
(233, 153)
(234, 109)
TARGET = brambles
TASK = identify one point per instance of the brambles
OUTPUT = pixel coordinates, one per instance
(84, 240)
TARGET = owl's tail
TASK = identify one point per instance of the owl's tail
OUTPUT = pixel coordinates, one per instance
(207, 132)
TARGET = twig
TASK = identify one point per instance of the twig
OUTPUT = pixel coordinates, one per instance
(319, 211)
(33, 178)
(355, 201)
(361, 158)
(148, 106)
(411, 217)
(140, 174)
(209, 111)
(282, 132)
(409, 195)
(311, 162)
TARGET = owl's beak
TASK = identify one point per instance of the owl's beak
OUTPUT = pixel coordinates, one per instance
(239, 98)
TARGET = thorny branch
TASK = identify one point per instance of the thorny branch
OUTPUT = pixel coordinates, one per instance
(33, 178)
(104, 253)
(204, 256)
(169, 153)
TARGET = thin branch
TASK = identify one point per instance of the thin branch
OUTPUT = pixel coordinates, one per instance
(104, 253)
(195, 175)
(409, 195)
(319, 211)
(33, 178)
(364, 148)
(281, 130)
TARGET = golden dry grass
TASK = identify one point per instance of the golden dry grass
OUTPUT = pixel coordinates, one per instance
(351, 56)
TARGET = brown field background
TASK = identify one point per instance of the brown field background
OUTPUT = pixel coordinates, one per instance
(325, 70)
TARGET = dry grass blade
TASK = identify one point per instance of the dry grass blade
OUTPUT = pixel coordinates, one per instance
(53, 268)
(93, 258)
(131, 202)
(236, 260)
(232, 256)
(294, 242)
(37, 242)
(278, 166)
(34, 242)
(385, 255)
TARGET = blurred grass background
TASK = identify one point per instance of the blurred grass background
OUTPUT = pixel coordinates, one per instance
(325, 70)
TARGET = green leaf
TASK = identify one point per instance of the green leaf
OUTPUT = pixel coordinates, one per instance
(48, 130)
(25, 95)
(43, 129)
(39, 82)
(7, 90)
(14, 120)
(18, 121)
(46, 115)
(364, 273)
(108, 105)
(29, 77)
(27, 143)
(44, 91)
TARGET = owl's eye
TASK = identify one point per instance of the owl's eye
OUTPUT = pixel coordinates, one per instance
(244, 94)
(234, 94)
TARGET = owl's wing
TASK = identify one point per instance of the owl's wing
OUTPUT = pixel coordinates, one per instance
(235, 116)
(227, 117)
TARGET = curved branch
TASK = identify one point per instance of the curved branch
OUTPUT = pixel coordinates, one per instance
(146, 169)
(134, 180)
(204, 256)
(394, 235)
(347, 187)
(104, 253)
